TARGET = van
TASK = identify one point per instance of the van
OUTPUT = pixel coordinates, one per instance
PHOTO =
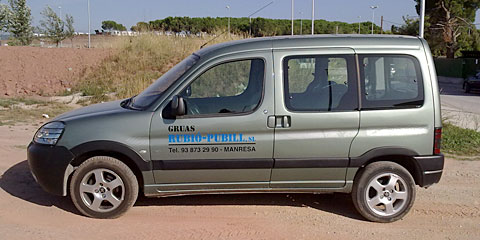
(311, 114)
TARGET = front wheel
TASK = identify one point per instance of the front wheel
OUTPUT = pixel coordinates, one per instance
(103, 187)
(383, 192)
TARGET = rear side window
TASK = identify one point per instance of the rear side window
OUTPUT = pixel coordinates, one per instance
(390, 81)
(320, 83)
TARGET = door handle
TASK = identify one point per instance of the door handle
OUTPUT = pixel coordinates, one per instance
(286, 121)
(279, 121)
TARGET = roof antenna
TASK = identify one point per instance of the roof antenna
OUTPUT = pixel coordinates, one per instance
(203, 45)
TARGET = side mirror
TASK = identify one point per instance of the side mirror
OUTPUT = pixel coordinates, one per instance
(177, 106)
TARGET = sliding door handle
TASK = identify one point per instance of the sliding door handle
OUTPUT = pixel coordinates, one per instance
(286, 121)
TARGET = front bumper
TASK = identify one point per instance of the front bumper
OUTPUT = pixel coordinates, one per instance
(431, 169)
(50, 166)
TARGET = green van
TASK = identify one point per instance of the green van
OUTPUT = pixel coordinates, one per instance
(310, 114)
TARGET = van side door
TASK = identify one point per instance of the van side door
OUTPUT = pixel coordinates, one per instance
(316, 117)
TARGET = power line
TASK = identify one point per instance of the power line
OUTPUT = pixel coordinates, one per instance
(260, 9)
(250, 16)
(394, 23)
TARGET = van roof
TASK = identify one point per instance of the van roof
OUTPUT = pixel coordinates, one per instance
(314, 41)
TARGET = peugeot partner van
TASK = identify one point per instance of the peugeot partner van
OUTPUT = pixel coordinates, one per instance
(311, 114)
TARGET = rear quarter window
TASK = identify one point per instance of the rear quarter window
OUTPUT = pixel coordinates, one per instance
(390, 82)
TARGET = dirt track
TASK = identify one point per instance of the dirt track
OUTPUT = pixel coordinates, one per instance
(449, 210)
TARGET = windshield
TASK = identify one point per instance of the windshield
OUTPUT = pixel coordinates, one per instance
(149, 95)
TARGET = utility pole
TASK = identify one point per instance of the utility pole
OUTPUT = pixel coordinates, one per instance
(89, 41)
(250, 16)
(373, 15)
(228, 10)
(422, 18)
(359, 20)
(336, 29)
(292, 17)
(301, 26)
(60, 8)
(313, 16)
(250, 30)
(381, 25)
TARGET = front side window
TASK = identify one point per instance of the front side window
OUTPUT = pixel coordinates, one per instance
(231, 87)
(320, 83)
(390, 81)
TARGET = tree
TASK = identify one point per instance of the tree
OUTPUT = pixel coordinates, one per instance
(259, 26)
(20, 22)
(410, 27)
(52, 26)
(69, 29)
(110, 25)
(140, 27)
(4, 16)
(448, 19)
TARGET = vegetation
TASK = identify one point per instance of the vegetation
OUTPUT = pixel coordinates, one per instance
(259, 26)
(448, 20)
(19, 22)
(8, 102)
(69, 29)
(4, 16)
(21, 110)
(54, 27)
(449, 26)
(112, 25)
(460, 141)
(138, 62)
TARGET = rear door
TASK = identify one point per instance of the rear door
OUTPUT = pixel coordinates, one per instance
(316, 117)
(397, 107)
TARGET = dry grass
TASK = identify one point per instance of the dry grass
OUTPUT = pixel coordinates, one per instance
(138, 62)
(15, 111)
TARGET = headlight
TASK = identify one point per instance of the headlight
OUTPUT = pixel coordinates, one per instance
(49, 133)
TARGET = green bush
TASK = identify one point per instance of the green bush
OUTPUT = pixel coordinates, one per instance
(460, 141)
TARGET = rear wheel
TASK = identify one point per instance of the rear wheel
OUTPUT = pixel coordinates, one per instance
(383, 192)
(103, 187)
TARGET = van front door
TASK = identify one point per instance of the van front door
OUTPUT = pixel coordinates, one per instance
(316, 117)
(222, 142)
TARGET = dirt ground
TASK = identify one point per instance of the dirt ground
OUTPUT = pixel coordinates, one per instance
(448, 210)
(44, 71)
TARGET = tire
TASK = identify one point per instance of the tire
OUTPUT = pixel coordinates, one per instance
(383, 192)
(467, 88)
(103, 187)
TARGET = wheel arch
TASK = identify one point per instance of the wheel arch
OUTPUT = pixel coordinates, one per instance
(113, 149)
(402, 156)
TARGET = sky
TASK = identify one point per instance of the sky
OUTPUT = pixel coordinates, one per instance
(129, 12)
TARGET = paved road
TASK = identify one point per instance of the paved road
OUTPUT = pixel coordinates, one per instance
(459, 108)
(452, 96)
